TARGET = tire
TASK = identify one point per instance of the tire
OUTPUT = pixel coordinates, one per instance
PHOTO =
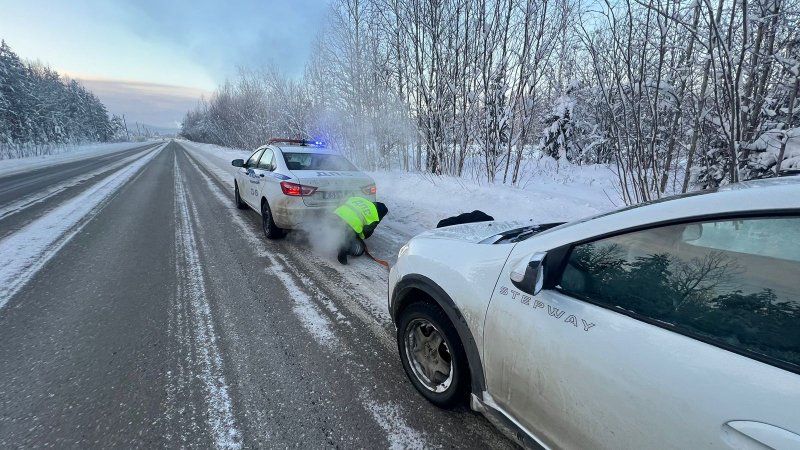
(271, 231)
(439, 372)
(238, 198)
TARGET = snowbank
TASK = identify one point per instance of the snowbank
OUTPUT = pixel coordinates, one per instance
(418, 201)
(65, 154)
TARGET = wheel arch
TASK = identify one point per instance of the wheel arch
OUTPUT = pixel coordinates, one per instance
(419, 288)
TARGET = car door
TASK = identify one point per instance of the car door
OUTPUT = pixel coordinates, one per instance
(249, 180)
(677, 336)
(267, 183)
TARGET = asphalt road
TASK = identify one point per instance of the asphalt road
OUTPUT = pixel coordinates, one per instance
(164, 319)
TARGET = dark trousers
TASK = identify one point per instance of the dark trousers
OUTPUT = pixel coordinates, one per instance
(352, 245)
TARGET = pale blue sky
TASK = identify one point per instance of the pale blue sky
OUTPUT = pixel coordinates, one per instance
(152, 59)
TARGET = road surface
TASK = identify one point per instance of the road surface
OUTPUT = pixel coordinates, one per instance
(140, 308)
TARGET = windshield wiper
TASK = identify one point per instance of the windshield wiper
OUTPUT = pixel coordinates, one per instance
(521, 234)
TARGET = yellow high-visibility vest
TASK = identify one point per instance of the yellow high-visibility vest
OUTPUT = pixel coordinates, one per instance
(358, 212)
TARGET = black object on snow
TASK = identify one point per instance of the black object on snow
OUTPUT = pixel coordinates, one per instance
(474, 216)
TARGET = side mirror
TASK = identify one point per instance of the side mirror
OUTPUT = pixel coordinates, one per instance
(237, 163)
(528, 276)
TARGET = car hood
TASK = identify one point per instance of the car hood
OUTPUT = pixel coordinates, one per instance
(475, 232)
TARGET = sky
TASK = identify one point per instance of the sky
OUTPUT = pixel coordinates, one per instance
(152, 60)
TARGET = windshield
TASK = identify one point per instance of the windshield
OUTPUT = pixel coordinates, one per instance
(317, 161)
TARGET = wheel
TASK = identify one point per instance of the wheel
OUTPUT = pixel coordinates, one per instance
(433, 355)
(268, 224)
(238, 198)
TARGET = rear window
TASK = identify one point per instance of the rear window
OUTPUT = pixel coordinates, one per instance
(317, 161)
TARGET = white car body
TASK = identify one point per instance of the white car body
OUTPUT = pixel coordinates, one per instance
(261, 179)
(556, 371)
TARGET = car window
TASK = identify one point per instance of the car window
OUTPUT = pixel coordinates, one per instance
(253, 160)
(265, 162)
(317, 161)
(730, 282)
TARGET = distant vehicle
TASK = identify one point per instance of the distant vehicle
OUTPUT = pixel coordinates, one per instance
(291, 182)
(673, 324)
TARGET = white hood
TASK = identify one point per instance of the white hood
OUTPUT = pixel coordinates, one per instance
(474, 232)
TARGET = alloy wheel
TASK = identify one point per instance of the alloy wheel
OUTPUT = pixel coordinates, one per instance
(428, 355)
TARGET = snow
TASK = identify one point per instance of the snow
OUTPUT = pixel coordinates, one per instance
(389, 417)
(220, 410)
(417, 202)
(65, 154)
(27, 250)
(770, 144)
(55, 188)
(303, 306)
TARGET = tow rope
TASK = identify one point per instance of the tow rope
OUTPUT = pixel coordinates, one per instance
(379, 261)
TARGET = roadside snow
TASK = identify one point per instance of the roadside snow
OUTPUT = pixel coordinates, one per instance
(26, 251)
(217, 159)
(55, 188)
(67, 154)
(418, 201)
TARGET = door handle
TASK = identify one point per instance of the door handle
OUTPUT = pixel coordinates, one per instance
(744, 434)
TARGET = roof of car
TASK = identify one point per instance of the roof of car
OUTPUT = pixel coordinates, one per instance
(765, 196)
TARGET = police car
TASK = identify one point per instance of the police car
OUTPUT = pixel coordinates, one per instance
(293, 182)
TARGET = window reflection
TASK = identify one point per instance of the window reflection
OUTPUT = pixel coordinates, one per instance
(727, 280)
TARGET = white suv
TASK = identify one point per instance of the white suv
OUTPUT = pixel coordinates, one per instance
(674, 324)
(292, 182)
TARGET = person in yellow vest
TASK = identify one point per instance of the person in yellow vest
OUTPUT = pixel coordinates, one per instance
(360, 217)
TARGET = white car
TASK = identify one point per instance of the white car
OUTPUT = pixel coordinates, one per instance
(674, 324)
(294, 182)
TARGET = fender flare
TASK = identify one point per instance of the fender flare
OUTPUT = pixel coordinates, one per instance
(422, 283)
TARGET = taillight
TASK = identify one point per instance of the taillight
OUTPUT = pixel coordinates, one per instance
(370, 190)
(297, 190)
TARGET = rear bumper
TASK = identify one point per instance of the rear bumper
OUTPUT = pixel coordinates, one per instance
(291, 213)
(315, 202)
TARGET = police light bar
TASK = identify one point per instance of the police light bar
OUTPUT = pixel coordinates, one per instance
(302, 142)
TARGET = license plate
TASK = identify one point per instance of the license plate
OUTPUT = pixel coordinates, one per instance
(332, 195)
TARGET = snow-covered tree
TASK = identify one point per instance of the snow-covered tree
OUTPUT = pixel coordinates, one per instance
(38, 109)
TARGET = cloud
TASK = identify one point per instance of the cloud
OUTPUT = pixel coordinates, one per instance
(224, 36)
(176, 42)
(149, 103)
